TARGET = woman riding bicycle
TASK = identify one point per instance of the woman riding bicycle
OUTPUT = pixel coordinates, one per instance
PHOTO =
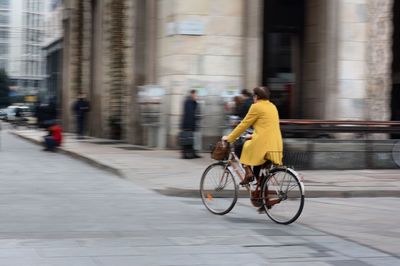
(266, 141)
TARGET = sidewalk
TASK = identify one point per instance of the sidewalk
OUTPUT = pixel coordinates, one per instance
(165, 172)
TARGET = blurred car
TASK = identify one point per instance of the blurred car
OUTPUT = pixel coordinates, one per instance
(3, 114)
(26, 114)
(10, 113)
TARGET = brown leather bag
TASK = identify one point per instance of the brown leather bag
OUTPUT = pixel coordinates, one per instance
(220, 151)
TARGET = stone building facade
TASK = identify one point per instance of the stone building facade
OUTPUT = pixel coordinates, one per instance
(335, 61)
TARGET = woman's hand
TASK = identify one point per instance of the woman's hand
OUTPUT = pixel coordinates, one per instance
(224, 138)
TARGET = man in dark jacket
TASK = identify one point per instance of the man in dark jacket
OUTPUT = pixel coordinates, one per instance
(189, 125)
(81, 107)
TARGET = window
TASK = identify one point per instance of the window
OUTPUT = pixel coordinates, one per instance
(29, 68)
(3, 34)
(55, 4)
(36, 36)
(34, 21)
(3, 64)
(26, 67)
(3, 17)
(31, 36)
(3, 49)
(37, 69)
(4, 3)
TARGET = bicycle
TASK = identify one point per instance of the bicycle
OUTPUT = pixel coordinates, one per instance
(278, 191)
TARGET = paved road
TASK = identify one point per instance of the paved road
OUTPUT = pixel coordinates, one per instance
(58, 211)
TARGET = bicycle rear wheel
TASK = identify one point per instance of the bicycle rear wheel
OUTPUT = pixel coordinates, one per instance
(283, 196)
(218, 189)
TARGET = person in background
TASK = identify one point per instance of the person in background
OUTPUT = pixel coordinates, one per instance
(54, 137)
(189, 123)
(238, 103)
(247, 101)
(51, 111)
(81, 107)
(18, 117)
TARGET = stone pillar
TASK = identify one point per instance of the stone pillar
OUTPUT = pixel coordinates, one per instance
(252, 43)
(379, 53)
(116, 40)
(134, 18)
(86, 45)
(77, 56)
(66, 65)
(211, 61)
(347, 59)
(320, 57)
(96, 115)
(71, 79)
(347, 97)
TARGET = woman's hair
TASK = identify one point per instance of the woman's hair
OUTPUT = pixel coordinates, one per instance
(262, 93)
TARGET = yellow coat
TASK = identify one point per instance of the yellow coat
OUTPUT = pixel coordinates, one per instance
(266, 143)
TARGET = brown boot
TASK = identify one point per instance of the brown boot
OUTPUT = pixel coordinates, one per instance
(248, 177)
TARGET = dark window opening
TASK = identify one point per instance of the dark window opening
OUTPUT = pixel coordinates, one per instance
(282, 53)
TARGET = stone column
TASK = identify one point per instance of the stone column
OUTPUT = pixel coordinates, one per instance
(379, 53)
(347, 59)
(347, 97)
(211, 61)
(66, 82)
(320, 57)
(71, 63)
(77, 56)
(97, 71)
(252, 42)
(116, 19)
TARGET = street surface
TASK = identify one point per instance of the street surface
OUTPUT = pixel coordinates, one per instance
(60, 211)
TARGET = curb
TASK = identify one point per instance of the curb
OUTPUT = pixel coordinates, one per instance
(78, 156)
(194, 193)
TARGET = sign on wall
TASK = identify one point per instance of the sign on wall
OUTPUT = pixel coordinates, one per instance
(188, 27)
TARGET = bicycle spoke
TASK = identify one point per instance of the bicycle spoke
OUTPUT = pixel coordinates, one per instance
(286, 203)
(218, 189)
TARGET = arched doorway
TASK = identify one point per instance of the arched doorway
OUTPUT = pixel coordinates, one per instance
(282, 53)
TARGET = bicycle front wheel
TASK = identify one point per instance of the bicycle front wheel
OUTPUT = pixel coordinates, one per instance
(283, 196)
(218, 189)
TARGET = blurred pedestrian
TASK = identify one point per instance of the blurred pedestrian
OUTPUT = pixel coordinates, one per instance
(53, 138)
(247, 101)
(18, 117)
(51, 111)
(81, 107)
(189, 125)
(238, 103)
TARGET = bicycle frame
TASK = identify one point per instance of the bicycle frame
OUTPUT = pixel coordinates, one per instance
(234, 165)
